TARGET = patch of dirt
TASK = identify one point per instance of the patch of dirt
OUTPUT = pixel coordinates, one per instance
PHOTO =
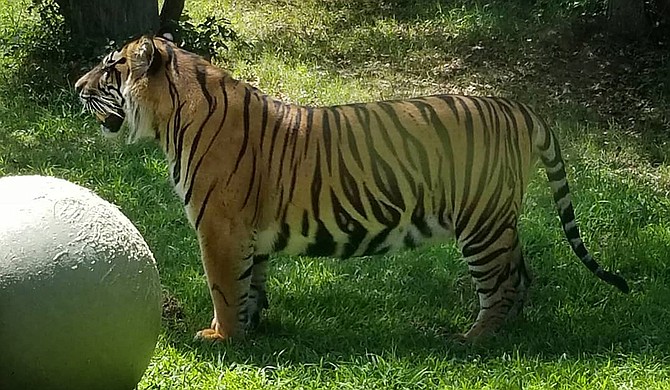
(173, 315)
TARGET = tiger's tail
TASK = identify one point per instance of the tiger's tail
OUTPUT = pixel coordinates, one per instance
(546, 145)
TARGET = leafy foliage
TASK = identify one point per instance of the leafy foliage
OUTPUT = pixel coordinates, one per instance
(207, 37)
(40, 49)
(47, 57)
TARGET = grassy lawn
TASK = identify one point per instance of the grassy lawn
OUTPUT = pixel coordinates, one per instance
(384, 322)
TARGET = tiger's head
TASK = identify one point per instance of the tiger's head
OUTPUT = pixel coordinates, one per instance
(119, 89)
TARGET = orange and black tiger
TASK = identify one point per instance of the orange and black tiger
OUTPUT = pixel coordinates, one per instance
(259, 176)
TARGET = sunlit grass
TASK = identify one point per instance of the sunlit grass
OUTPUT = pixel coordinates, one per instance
(384, 323)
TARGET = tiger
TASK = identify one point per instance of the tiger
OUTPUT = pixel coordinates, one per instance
(258, 176)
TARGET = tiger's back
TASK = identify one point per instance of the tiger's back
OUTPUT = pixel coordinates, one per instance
(260, 176)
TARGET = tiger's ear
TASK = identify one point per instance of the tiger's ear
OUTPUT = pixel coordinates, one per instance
(146, 57)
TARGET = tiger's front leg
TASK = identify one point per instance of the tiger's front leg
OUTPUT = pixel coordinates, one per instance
(227, 259)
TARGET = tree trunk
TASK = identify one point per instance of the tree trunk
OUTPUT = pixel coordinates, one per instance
(171, 11)
(170, 14)
(627, 17)
(110, 19)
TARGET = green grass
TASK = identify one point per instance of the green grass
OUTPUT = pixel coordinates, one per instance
(385, 322)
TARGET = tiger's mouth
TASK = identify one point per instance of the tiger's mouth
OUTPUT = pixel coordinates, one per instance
(111, 123)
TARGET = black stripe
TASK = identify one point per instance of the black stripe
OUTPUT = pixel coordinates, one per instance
(409, 138)
(567, 214)
(381, 129)
(281, 206)
(211, 108)
(492, 114)
(215, 287)
(323, 244)
(308, 130)
(476, 196)
(502, 277)
(495, 213)
(419, 215)
(259, 259)
(420, 103)
(349, 225)
(488, 257)
(275, 129)
(442, 213)
(350, 188)
(258, 199)
(287, 139)
(282, 238)
(516, 157)
(408, 176)
(189, 191)
(179, 140)
(460, 218)
(390, 221)
(356, 236)
(245, 140)
(443, 134)
(382, 172)
(352, 140)
(174, 98)
(203, 206)
(527, 116)
(264, 120)
(201, 77)
(327, 136)
(571, 233)
(294, 137)
(294, 176)
(483, 276)
(176, 172)
(374, 246)
(480, 242)
(561, 193)
(246, 273)
(305, 224)
(315, 188)
(252, 178)
(450, 102)
(581, 251)
(556, 176)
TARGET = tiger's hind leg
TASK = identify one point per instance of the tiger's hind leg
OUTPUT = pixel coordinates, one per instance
(501, 281)
(258, 300)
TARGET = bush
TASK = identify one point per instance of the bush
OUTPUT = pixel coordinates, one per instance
(47, 58)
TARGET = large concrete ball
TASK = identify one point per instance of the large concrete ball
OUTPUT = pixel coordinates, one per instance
(80, 298)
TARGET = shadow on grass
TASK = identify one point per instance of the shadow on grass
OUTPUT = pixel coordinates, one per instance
(566, 66)
(319, 333)
(314, 330)
(408, 305)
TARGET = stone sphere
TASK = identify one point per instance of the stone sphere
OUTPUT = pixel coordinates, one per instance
(80, 297)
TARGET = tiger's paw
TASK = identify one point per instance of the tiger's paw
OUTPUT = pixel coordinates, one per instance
(458, 338)
(209, 335)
